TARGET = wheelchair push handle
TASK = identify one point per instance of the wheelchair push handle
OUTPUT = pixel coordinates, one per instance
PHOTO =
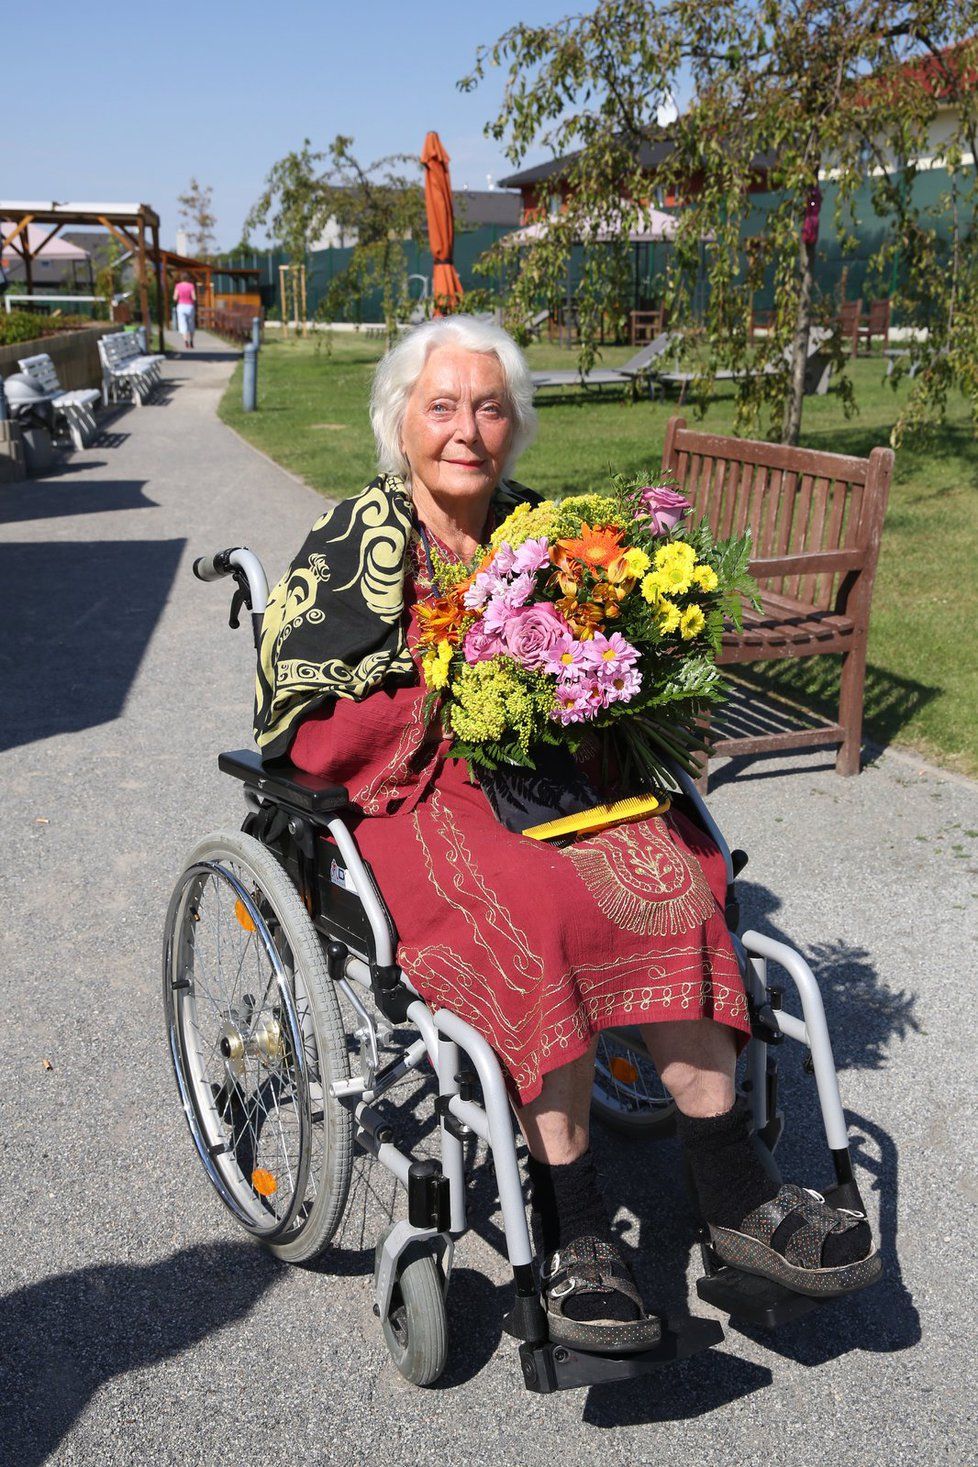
(213, 567)
(251, 587)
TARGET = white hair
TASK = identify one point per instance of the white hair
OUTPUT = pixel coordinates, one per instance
(400, 369)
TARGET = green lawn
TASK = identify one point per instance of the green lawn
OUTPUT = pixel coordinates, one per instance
(922, 687)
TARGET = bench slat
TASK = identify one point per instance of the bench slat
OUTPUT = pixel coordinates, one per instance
(808, 562)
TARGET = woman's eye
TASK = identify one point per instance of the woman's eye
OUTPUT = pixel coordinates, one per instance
(440, 408)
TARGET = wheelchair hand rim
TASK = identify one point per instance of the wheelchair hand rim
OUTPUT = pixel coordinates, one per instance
(209, 1149)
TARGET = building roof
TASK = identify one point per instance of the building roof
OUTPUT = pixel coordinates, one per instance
(650, 154)
(41, 244)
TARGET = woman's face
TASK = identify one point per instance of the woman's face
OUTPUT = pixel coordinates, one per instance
(458, 423)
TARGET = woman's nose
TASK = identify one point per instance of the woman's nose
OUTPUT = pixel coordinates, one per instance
(466, 425)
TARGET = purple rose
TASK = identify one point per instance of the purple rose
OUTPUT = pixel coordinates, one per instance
(481, 644)
(665, 508)
(531, 632)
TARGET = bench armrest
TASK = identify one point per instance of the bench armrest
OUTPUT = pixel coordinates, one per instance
(808, 562)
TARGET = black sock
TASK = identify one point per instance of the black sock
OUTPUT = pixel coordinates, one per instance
(732, 1175)
(567, 1205)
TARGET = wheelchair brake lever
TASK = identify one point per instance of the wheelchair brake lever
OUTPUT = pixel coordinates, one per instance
(238, 600)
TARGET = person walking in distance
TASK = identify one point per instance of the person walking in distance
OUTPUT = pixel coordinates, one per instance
(185, 300)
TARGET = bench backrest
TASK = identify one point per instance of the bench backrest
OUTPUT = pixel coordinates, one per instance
(120, 346)
(825, 508)
(42, 369)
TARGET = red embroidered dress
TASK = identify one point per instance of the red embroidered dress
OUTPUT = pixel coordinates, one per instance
(538, 947)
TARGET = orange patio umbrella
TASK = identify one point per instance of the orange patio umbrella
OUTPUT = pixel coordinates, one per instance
(446, 286)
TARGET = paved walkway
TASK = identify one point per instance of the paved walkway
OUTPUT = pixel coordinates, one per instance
(136, 1325)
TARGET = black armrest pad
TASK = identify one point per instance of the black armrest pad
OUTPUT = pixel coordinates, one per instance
(282, 781)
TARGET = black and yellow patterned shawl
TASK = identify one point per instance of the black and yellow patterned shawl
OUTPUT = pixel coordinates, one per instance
(343, 595)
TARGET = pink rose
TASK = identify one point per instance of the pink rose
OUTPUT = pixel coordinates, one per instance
(665, 508)
(531, 632)
(481, 644)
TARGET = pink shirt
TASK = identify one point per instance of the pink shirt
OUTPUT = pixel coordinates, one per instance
(184, 294)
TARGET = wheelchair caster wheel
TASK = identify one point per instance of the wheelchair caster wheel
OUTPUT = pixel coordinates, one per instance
(416, 1326)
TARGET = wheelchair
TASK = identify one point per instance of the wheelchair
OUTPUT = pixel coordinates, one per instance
(291, 1028)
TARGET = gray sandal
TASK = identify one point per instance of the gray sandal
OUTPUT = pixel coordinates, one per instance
(800, 1267)
(591, 1266)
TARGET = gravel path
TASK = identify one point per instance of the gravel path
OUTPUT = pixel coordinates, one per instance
(137, 1326)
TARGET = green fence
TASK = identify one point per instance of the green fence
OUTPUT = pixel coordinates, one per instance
(837, 271)
(322, 267)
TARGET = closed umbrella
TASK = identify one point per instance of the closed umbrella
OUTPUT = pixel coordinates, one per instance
(446, 286)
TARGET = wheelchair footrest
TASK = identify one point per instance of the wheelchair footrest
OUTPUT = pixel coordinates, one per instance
(754, 1300)
(762, 1302)
(550, 1367)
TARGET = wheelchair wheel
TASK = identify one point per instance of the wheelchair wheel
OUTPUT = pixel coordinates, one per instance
(628, 1096)
(256, 1040)
(416, 1327)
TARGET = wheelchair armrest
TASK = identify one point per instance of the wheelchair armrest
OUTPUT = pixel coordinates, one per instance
(282, 781)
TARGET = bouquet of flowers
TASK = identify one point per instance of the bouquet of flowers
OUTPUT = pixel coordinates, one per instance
(598, 612)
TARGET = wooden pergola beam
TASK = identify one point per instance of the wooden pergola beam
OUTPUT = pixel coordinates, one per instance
(27, 219)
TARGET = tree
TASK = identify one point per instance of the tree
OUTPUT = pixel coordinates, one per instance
(384, 207)
(785, 93)
(197, 215)
(290, 204)
(376, 202)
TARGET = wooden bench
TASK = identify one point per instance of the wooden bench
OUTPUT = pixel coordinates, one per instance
(816, 520)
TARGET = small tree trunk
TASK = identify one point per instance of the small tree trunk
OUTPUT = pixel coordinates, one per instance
(791, 422)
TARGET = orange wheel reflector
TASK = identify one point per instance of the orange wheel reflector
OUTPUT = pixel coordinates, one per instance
(243, 916)
(263, 1182)
(623, 1069)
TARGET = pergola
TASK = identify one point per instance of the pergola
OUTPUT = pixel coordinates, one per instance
(129, 224)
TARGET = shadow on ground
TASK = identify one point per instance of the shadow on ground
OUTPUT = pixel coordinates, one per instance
(77, 619)
(64, 1338)
(793, 695)
(41, 500)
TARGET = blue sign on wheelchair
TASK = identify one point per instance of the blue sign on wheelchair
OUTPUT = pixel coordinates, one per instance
(338, 876)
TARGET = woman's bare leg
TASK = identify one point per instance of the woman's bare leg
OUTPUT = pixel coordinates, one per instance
(696, 1060)
(556, 1123)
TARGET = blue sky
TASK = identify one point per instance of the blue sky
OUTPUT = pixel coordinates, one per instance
(124, 105)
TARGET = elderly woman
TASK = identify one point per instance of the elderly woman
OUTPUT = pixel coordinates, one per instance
(539, 948)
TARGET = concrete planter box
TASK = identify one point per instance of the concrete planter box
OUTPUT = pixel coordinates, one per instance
(12, 465)
(74, 354)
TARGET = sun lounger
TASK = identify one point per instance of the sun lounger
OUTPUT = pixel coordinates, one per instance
(640, 364)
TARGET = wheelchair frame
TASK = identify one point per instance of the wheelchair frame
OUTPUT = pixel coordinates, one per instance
(460, 1056)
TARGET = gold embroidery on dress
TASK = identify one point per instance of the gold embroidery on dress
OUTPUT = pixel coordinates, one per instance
(386, 784)
(642, 880)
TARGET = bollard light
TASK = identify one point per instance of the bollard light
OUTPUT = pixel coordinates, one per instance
(249, 379)
(256, 332)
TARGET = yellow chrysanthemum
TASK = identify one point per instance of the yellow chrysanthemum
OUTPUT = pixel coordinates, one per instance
(674, 577)
(651, 587)
(676, 552)
(705, 577)
(669, 614)
(635, 562)
(436, 664)
(691, 623)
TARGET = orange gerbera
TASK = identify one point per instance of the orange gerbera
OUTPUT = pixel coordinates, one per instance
(595, 548)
